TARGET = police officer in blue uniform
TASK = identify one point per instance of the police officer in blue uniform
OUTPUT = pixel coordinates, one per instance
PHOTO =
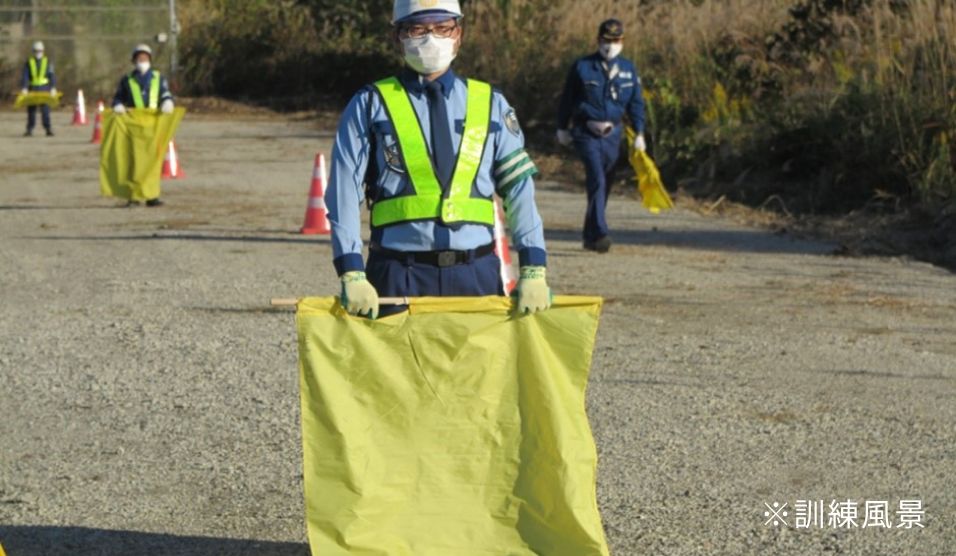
(38, 76)
(601, 90)
(426, 150)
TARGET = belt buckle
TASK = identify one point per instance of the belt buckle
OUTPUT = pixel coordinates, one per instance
(447, 258)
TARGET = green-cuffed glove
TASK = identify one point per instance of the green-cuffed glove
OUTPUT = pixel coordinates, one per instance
(533, 292)
(358, 295)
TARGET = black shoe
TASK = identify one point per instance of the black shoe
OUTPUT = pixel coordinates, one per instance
(49, 133)
(154, 203)
(28, 133)
(602, 245)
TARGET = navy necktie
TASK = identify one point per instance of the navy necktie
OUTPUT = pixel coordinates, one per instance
(443, 153)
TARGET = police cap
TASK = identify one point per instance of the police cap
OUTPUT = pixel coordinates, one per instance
(611, 29)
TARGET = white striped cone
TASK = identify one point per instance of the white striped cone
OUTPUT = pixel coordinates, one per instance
(98, 126)
(79, 113)
(316, 213)
(171, 168)
(508, 276)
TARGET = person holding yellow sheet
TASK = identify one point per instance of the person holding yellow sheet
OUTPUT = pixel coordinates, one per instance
(131, 154)
(144, 87)
(429, 149)
(38, 76)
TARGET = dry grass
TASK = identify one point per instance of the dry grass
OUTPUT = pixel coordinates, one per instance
(527, 45)
(823, 126)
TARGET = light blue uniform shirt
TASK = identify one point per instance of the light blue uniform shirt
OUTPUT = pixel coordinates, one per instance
(366, 148)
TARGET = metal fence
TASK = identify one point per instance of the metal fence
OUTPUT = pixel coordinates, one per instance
(89, 41)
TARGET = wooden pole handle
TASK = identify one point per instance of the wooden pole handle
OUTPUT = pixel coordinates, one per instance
(293, 302)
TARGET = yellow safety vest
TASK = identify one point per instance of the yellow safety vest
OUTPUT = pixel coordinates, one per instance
(428, 202)
(137, 91)
(38, 78)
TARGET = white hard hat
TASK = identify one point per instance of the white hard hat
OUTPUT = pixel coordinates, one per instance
(142, 48)
(406, 9)
(38, 46)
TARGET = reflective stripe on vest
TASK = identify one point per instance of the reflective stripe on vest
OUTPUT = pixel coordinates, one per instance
(38, 78)
(427, 202)
(137, 92)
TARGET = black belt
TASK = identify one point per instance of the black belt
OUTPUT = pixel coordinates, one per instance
(434, 258)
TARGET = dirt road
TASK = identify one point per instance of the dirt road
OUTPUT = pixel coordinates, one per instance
(149, 397)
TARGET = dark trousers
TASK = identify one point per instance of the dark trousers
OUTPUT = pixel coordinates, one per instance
(32, 116)
(393, 278)
(600, 155)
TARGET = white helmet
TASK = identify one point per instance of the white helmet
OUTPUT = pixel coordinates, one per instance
(142, 48)
(405, 9)
(38, 46)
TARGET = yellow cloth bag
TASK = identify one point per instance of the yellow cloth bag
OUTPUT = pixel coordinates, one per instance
(37, 98)
(455, 429)
(653, 194)
(132, 151)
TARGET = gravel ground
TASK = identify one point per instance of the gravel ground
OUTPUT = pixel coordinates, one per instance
(149, 401)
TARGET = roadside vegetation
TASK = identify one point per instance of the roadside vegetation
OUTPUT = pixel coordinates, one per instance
(828, 105)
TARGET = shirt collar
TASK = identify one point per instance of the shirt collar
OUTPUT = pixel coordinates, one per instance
(603, 65)
(415, 83)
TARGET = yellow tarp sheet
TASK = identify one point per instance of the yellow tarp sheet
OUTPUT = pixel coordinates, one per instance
(132, 151)
(653, 194)
(455, 429)
(37, 98)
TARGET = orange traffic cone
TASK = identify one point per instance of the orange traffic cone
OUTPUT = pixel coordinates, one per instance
(508, 276)
(98, 124)
(316, 215)
(171, 168)
(79, 113)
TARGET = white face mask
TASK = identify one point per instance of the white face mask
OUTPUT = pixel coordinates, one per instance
(611, 50)
(143, 67)
(38, 55)
(429, 54)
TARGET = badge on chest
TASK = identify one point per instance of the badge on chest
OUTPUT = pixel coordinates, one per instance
(393, 157)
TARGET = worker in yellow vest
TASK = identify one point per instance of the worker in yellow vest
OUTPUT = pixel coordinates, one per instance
(427, 150)
(38, 76)
(144, 87)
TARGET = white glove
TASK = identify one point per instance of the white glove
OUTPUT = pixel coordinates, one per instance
(533, 292)
(166, 107)
(53, 92)
(564, 137)
(358, 295)
(24, 92)
(119, 108)
(639, 143)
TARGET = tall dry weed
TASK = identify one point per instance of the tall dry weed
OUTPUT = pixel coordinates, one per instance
(830, 104)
